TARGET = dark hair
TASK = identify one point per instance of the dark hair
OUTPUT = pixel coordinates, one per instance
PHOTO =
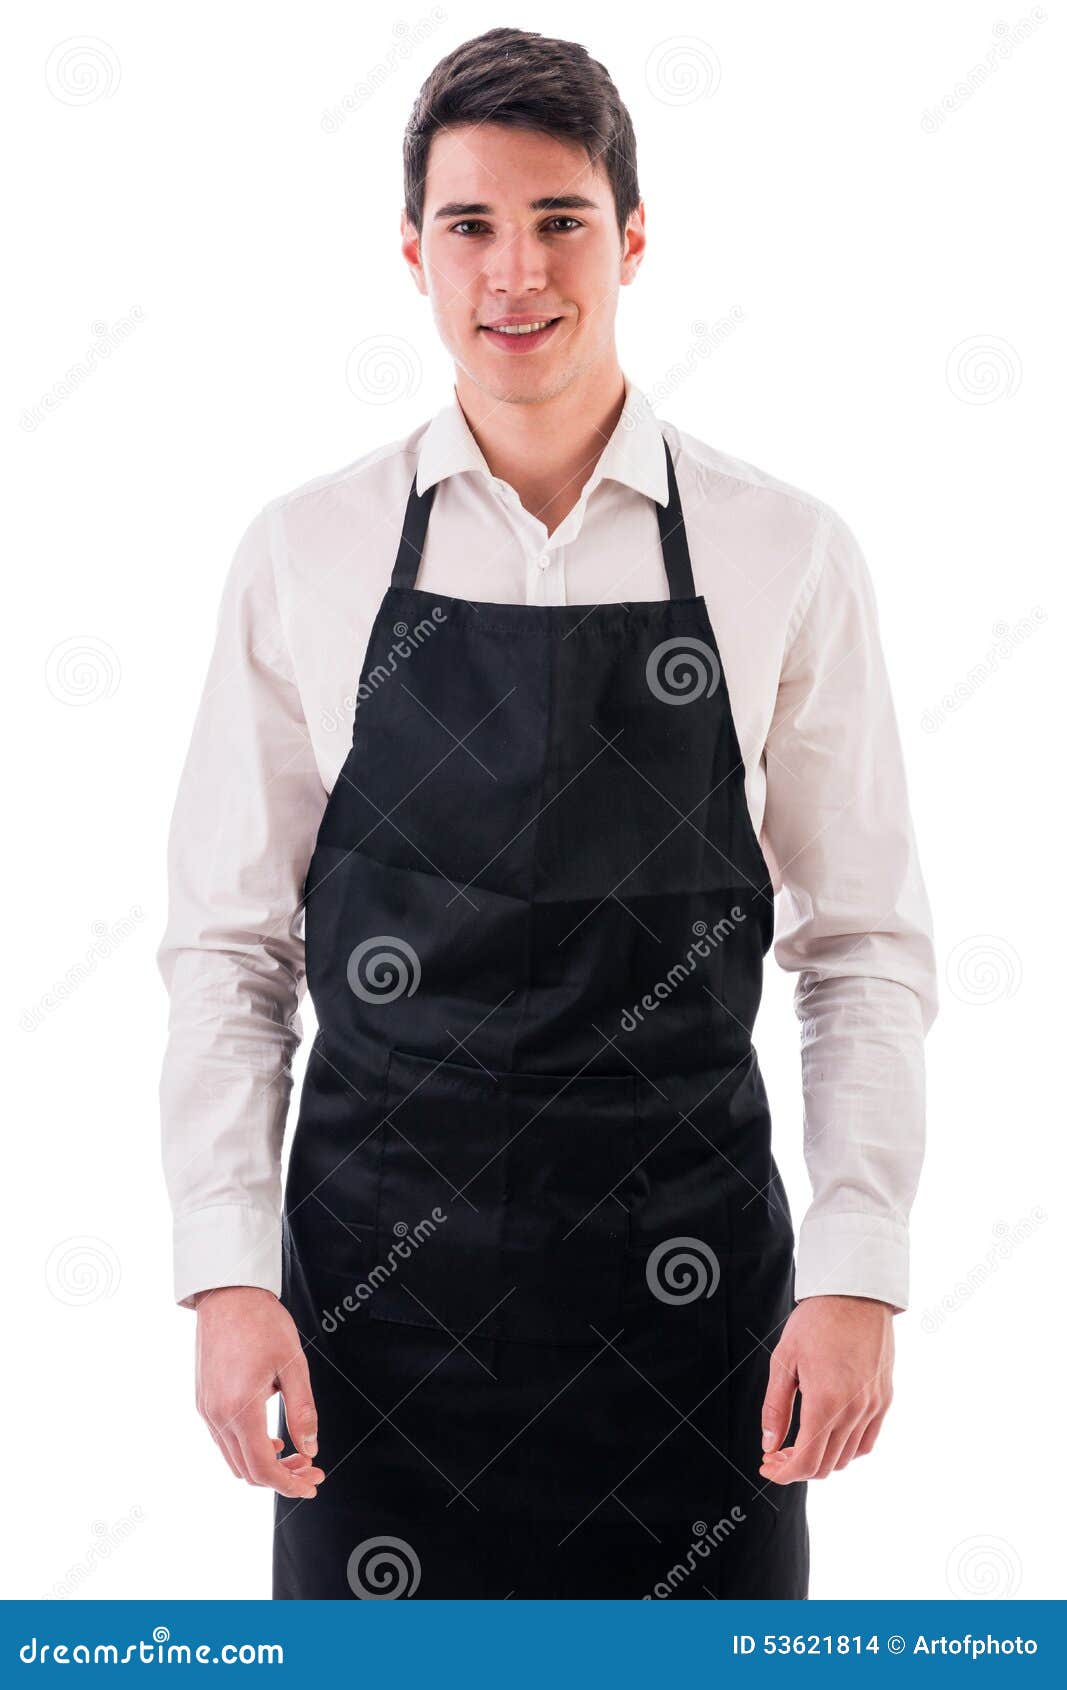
(527, 81)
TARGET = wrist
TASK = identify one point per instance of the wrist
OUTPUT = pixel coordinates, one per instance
(850, 1297)
(198, 1298)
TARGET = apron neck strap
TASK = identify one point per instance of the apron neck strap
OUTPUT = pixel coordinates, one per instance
(672, 536)
(413, 536)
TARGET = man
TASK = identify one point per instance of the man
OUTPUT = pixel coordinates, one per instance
(532, 1311)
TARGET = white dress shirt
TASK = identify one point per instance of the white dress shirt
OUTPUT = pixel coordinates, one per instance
(792, 607)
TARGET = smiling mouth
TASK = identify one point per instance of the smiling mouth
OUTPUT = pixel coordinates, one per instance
(521, 328)
(520, 336)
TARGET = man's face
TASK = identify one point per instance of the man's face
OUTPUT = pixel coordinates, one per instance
(520, 225)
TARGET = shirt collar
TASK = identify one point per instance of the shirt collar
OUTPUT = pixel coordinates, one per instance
(633, 454)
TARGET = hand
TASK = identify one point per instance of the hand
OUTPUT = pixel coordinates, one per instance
(839, 1351)
(246, 1349)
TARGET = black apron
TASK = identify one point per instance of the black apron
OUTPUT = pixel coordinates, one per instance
(535, 1242)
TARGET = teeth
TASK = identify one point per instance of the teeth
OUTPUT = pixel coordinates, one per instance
(523, 328)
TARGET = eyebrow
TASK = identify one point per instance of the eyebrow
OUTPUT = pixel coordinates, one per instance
(551, 202)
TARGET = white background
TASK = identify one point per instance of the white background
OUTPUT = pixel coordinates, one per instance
(185, 198)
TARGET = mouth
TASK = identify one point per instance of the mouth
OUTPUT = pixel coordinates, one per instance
(520, 336)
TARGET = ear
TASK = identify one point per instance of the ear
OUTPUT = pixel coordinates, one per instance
(633, 248)
(410, 248)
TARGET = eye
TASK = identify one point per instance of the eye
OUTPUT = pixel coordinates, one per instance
(475, 223)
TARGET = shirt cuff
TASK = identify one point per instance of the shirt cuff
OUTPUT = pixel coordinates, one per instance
(853, 1255)
(226, 1244)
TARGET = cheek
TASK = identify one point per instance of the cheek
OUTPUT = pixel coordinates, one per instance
(451, 283)
(452, 310)
(593, 291)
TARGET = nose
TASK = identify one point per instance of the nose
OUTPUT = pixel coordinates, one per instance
(516, 264)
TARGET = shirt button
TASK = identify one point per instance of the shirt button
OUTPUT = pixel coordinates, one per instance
(542, 562)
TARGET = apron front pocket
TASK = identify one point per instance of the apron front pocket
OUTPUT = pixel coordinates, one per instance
(501, 1209)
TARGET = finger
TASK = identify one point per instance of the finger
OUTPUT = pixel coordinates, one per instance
(262, 1464)
(290, 1461)
(852, 1444)
(834, 1445)
(226, 1456)
(869, 1437)
(801, 1460)
(232, 1442)
(294, 1382)
(302, 1464)
(777, 1410)
(222, 1433)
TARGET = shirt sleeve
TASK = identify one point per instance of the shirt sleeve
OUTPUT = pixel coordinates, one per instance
(854, 922)
(232, 956)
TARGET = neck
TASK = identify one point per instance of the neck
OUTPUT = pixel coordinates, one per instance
(546, 449)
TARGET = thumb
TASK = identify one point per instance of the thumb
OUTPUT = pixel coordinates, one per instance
(301, 1418)
(778, 1399)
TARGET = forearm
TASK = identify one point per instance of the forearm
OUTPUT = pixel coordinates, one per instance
(862, 1065)
(224, 1095)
